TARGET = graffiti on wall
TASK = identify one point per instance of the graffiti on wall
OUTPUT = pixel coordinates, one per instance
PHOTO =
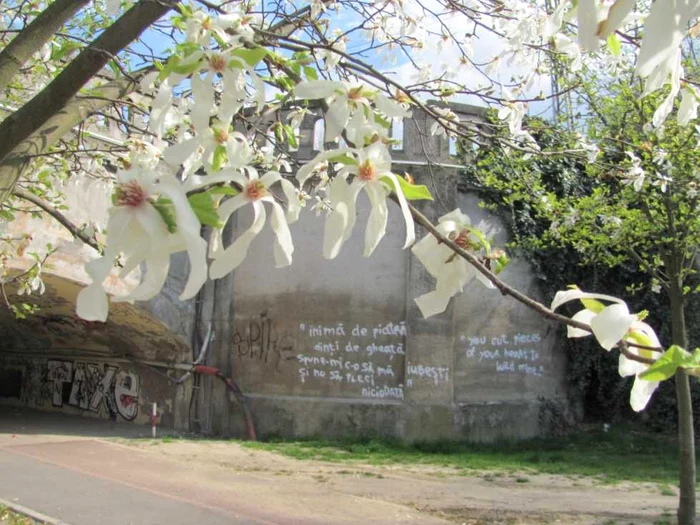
(88, 386)
(260, 340)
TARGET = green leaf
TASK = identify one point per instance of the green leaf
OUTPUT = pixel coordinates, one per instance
(593, 305)
(344, 159)
(500, 264)
(223, 190)
(412, 192)
(614, 44)
(166, 210)
(291, 137)
(310, 73)
(205, 210)
(666, 365)
(640, 339)
(483, 241)
(184, 69)
(220, 158)
(251, 56)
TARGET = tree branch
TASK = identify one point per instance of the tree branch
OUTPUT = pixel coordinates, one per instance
(34, 36)
(53, 212)
(505, 289)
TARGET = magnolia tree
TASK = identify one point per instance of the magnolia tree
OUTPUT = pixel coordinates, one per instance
(189, 83)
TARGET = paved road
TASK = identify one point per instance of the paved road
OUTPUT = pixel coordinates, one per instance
(61, 466)
(79, 498)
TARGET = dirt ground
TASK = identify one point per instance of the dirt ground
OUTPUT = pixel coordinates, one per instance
(477, 498)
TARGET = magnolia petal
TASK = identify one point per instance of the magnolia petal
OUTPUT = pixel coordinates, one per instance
(157, 266)
(456, 217)
(664, 30)
(378, 216)
(611, 325)
(161, 106)
(293, 203)
(158, 258)
(118, 223)
(554, 21)
(688, 109)
(665, 108)
(284, 248)
(647, 331)
(584, 316)
(641, 393)
(628, 367)
(315, 89)
(307, 169)
(574, 293)
(406, 212)
(270, 178)
(178, 153)
(232, 257)
(433, 303)
(225, 211)
(336, 118)
(431, 254)
(92, 303)
(203, 92)
(616, 16)
(195, 182)
(337, 219)
(355, 186)
(588, 24)
(189, 228)
(391, 108)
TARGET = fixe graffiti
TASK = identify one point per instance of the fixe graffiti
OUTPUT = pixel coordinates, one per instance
(89, 387)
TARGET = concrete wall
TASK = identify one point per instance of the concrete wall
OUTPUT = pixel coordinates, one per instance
(338, 348)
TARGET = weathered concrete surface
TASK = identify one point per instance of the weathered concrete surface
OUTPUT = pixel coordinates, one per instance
(339, 348)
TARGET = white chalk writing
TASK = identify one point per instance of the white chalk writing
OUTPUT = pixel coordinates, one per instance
(510, 354)
(357, 356)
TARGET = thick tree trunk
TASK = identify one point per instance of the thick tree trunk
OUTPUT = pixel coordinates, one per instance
(686, 434)
(34, 36)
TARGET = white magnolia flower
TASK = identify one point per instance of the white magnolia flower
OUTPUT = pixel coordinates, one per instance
(513, 113)
(255, 192)
(610, 325)
(373, 165)
(214, 148)
(445, 123)
(565, 45)
(202, 28)
(635, 174)
(451, 271)
(137, 229)
(330, 56)
(143, 154)
(210, 66)
(343, 100)
(688, 109)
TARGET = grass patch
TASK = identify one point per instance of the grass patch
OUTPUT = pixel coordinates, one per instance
(10, 517)
(623, 453)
